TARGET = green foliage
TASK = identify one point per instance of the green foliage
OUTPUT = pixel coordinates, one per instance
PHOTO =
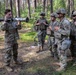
(59, 4)
(24, 13)
(40, 67)
(29, 36)
(2, 7)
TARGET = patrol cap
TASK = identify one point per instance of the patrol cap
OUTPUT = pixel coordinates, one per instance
(42, 14)
(61, 11)
(54, 15)
(74, 13)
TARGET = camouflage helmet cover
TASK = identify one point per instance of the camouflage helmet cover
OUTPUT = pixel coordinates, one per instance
(54, 15)
(62, 11)
(74, 13)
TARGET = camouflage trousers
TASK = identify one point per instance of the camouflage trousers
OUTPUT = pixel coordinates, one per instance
(41, 37)
(10, 51)
(50, 41)
(51, 45)
(62, 47)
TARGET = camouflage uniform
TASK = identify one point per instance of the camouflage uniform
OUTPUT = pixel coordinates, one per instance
(11, 37)
(51, 36)
(73, 37)
(62, 40)
(41, 32)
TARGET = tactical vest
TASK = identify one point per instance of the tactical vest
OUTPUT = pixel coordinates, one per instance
(41, 26)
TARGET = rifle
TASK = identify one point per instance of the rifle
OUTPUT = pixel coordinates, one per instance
(17, 19)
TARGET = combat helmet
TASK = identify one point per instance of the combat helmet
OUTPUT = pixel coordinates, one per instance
(62, 11)
(74, 13)
(42, 14)
(54, 15)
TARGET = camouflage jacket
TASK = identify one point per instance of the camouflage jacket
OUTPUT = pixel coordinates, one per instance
(64, 30)
(53, 24)
(11, 31)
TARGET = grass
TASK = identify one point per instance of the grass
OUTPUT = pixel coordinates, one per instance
(44, 67)
(71, 70)
(40, 67)
(29, 36)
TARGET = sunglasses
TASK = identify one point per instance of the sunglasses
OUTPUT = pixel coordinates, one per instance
(58, 13)
(74, 15)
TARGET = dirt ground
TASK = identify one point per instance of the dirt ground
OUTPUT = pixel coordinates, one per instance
(27, 55)
(32, 63)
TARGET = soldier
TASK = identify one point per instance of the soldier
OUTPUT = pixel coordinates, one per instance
(42, 25)
(62, 38)
(73, 37)
(51, 40)
(11, 36)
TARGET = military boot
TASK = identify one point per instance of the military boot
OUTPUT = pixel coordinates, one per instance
(51, 52)
(56, 56)
(40, 49)
(17, 62)
(8, 68)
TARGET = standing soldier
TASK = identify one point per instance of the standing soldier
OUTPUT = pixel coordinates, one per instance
(73, 37)
(41, 29)
(62, 35)
(11, 36)
(51, 40)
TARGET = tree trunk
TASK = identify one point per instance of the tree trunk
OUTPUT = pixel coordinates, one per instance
(0, 9)
(71, 7)
(22, 4)
(44, 4)
(46, 8)
(17, 8)
(6, 4)
(29, 11)
(68, 7)
(51, 4)
(11, 7)
(35, 5)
